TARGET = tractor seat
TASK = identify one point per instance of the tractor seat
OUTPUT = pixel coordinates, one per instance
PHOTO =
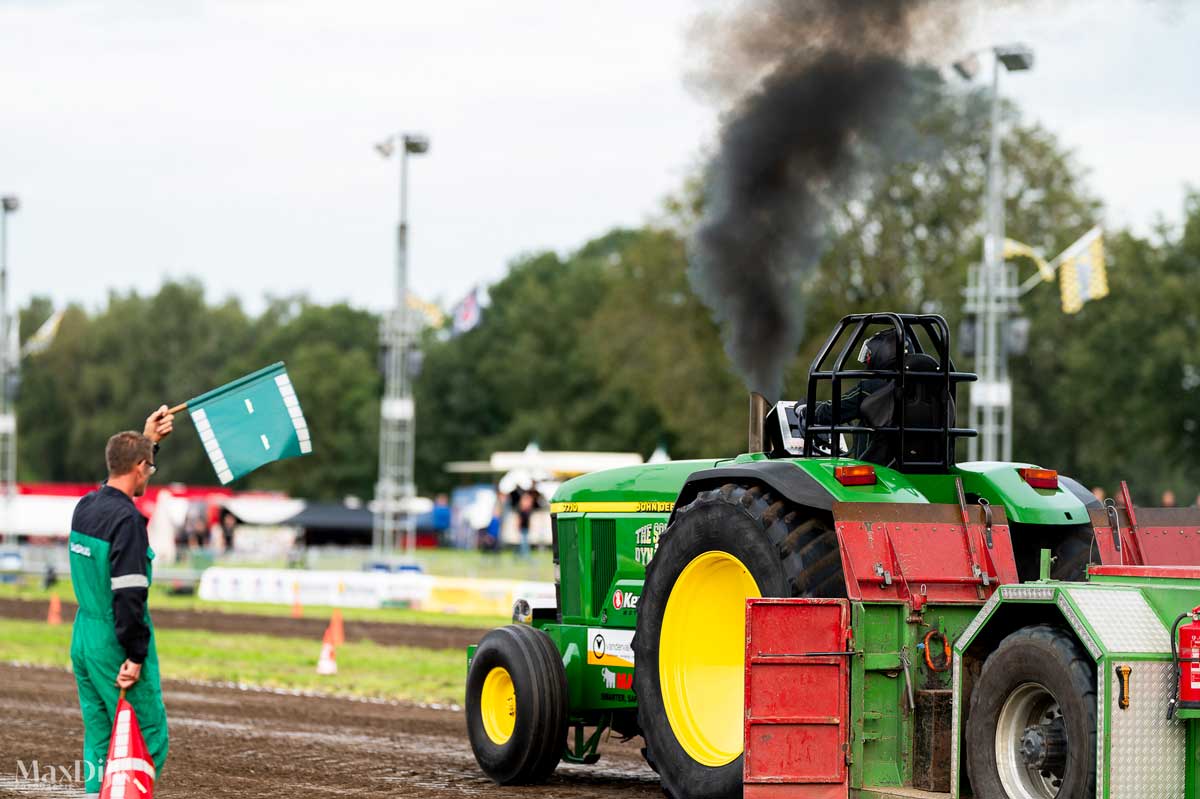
(925, 405)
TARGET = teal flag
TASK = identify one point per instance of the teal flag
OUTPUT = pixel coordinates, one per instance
(254, 420)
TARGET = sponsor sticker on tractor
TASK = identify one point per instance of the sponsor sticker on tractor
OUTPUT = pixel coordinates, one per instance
(607, 647)
(626, 600)
(646, 541)
(618, 680)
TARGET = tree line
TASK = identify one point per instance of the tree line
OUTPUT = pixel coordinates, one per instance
(607, 347)
(106, 370)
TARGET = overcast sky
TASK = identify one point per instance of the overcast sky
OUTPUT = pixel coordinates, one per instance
(231, 139)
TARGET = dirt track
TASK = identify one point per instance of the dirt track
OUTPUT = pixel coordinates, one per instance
(391, 634)
(226, 742)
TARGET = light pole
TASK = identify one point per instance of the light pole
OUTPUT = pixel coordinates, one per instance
(396, 488)
(991, 286)
(8, 363)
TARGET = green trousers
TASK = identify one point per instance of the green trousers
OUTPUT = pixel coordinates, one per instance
(96, 658)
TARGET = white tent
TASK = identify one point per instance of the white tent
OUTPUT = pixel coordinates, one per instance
(265, 511)
(537, 462)
(33, 514)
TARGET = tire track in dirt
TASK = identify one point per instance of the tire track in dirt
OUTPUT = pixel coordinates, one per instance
(260, 745)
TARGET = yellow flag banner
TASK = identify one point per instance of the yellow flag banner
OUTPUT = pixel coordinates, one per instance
(1083, 275)
(1015, 249)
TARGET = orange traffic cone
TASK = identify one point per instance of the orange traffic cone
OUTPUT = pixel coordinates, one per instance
(55, 615)
(129, 765)
(327, 662)
(297, 608)
(336, 628)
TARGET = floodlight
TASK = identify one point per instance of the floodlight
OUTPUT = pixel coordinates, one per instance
(1015, 57)
(416, 143)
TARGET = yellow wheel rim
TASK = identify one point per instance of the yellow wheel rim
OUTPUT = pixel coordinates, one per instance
(701, 657)
(498, 705)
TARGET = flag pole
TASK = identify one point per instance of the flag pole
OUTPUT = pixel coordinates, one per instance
(180, 407)
(1036, 278)
(1079, 244)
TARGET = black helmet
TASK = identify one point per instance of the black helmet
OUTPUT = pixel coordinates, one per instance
(879, 351)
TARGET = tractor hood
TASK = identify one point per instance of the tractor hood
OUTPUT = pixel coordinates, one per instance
(650, 487)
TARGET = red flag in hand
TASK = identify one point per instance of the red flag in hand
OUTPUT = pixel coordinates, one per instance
(129, 772)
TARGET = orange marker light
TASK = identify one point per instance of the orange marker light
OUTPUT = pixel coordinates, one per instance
(855, 475)
(1040, 478)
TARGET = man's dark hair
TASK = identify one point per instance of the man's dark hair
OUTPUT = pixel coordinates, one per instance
(126, 450)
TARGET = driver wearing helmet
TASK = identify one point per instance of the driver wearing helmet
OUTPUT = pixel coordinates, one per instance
(868, 402)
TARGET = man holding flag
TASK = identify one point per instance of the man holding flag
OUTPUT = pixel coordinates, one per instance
(112, 643)
(242, 425)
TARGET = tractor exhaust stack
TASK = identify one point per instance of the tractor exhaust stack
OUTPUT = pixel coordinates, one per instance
(758, 415)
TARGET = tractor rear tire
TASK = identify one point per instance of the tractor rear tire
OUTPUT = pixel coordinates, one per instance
(1073, 547)
(516, 705)
(1031, 731)
(728, 544)
(1073, 552)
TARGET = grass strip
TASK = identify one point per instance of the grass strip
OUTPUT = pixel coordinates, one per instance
(365, 669)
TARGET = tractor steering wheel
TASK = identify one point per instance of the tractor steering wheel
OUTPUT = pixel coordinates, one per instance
(822, 442)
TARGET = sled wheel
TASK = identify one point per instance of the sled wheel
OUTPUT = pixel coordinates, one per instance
(517, 705)
(729, 544)
(1031, 732)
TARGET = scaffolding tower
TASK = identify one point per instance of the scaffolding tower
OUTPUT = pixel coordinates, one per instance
(396, 486)
(992, 293)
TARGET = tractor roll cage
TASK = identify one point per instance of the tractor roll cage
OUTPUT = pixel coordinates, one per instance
(905, 325)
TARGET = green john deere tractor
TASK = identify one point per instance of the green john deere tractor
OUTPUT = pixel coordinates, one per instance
(851, 504)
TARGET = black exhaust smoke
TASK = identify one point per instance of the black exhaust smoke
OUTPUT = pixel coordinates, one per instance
(822, 96)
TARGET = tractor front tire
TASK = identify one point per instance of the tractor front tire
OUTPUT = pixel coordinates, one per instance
(727, 545)
(1031, 731)
(516, 705)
